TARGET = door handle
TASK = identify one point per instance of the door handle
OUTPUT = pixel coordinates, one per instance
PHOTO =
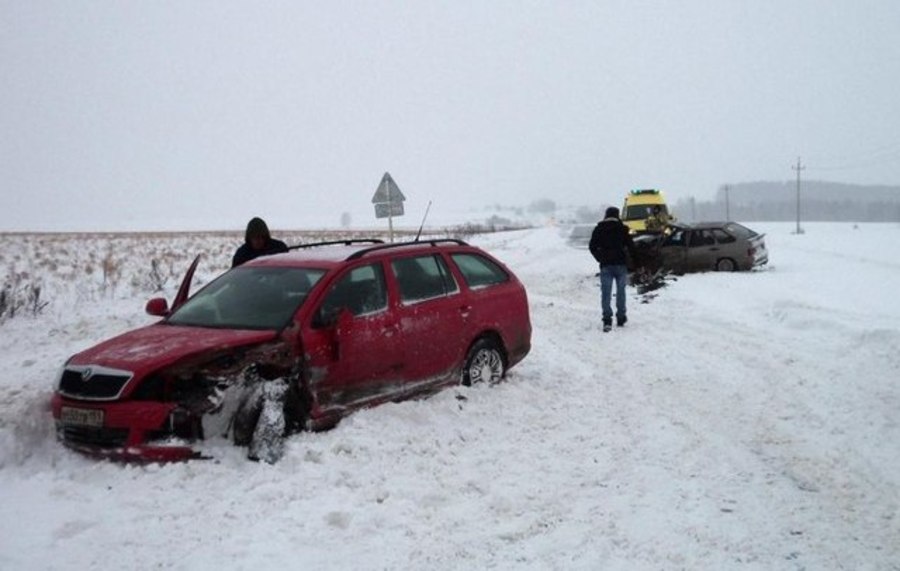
(464, 310)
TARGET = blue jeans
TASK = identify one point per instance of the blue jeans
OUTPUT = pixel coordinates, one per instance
(607, 275)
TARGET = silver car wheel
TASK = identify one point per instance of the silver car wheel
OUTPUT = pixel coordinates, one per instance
(484, 364)
(725, 265)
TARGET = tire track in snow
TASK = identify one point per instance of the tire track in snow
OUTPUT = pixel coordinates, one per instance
(668, 385)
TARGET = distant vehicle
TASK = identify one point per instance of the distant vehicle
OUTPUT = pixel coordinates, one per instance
(705, 246)
(580, 235)
(640, 205)
(294, 341)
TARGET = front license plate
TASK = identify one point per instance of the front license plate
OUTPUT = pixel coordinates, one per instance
(81, 416)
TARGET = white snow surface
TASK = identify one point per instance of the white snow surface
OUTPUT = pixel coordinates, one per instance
(738, 421)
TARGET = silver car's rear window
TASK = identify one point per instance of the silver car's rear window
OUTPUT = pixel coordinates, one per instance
(739, 231)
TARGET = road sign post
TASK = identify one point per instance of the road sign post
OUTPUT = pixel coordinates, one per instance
(388, 201)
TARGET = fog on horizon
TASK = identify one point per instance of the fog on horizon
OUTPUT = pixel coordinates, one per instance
(194, 115)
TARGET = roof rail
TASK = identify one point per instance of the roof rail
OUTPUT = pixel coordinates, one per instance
(359, 254)
(338, 242)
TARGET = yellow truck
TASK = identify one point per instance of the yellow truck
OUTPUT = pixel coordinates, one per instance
(645, 210)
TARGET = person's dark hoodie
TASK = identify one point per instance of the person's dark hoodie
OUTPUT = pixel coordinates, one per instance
(257, 228)
(610, 240)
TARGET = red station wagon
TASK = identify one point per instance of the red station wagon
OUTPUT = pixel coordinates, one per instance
(294, 341)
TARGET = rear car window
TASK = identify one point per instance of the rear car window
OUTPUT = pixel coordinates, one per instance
(423, 277)
(740, 231)
(479, 271)
(723, 237)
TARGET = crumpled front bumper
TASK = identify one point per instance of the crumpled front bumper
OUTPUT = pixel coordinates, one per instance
(130, 431)
(143, 453)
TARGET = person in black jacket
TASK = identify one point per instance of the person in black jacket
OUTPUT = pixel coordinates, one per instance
(610, 245)
(257, 242)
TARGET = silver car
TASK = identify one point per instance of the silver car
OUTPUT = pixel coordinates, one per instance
(719, 246)
(580, 235)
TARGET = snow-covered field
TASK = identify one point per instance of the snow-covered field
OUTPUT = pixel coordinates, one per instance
(739, 421)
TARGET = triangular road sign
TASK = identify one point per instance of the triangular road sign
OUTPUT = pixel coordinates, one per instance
(387, 191)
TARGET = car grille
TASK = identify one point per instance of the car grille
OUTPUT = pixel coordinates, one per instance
(93, 437)
(93, 383)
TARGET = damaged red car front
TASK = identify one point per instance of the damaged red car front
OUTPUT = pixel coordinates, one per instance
(151, 393)
(294, 341)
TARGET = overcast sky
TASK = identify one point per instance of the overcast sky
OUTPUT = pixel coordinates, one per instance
(188, 115)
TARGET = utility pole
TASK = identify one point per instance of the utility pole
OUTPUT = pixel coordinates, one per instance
(798, 168)
(727, 207)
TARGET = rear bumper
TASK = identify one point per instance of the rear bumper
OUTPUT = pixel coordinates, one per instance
(520, 348)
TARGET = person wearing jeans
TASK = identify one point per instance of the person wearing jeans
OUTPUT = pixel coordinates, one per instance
(610, 244)
(608, 275)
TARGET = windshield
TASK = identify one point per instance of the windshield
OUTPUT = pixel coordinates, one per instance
(249, 298)
(642, 211)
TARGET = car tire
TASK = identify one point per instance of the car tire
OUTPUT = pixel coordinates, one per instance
(725, 265)
(246, 416)
(267, 442)
(484, 363)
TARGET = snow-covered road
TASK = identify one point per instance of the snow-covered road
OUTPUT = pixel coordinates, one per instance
(743, 420)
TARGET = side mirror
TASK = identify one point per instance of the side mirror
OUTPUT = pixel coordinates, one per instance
(324, 317)
(157, 306)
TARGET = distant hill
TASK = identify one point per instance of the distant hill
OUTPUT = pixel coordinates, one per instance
(777, 201)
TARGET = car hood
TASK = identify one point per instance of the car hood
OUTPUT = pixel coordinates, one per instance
(160, 345)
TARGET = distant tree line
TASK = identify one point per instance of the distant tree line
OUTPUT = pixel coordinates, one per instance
(777, 201)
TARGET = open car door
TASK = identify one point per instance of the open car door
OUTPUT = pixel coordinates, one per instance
(185, 288)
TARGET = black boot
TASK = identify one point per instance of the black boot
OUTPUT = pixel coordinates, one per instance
(620, 321)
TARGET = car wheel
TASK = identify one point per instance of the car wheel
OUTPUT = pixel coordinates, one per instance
(267, 443)
(725, 265)
(245, 418)
(484, 363)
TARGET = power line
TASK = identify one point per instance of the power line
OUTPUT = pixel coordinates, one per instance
(881, 155)
(856, 166)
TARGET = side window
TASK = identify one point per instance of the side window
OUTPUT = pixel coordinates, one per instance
(423, 277)
(701, 238)
(676, 239)
(361, 291)
(478, 270)
(723, 237)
